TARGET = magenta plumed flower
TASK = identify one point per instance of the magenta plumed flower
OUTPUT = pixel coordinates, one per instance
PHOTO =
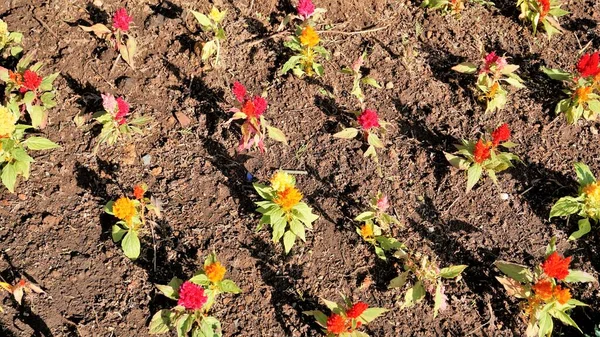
(122, 112)
(121, 20)
(191, 296)
(493, 59)
(239, 91)
(368, 119)
(305, 9)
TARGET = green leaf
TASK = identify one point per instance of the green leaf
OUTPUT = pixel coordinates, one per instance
(161, 322)
(566, 319)
(584, 174)
(333, 306)
(371, 81)
(298, 229)
(202, 19)
(556, 74)
(128, 51)
(228, 286)
(473, 175)
(277, 135)
(200, 279)
(288, 241)
(438, 299)
(515, 271)
(9, 176)
(364, 216)
(319, 316)
(556, 11)
(371, 314)
(372, 139)
(399, 281)
(117, 233)
(216, 15)
(48, 81)
(290, 64)
(347, 133)
(565, 206)
(584, 228)
(209, 49)
(264, 191)
(579, 276)
(594, 105)
(171, 290)
(456, 161)
(37, 114)
(414, 295)
(184, 324)
(551, 248)
(210, 327)
(514, 82)
(546, 325)
(131, 245)
(452, 271)
(465, 68)
(40, 143)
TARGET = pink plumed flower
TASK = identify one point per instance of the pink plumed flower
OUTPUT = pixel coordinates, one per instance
(493, 59)
(239, 91)
(121, 20)
(305, 9)
(109, 103)
(368, 119)
(122, 111)
(383, 203)
(191, 296)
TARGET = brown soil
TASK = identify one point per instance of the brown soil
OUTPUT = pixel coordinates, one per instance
(53, 230)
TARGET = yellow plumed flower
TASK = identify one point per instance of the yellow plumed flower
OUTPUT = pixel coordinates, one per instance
(124, 209)
(309, 37)
(592, 199)
(215, 272)
(7, 122)
(281, 181)
(288, 198)
(366, 231)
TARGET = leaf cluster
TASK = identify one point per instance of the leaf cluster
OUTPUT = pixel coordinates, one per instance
(212, 23)
(532, 11)
(583, 99)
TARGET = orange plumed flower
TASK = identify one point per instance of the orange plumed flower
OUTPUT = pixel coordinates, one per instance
(309, 37)
(366, 231)
(481, 152)
(592, 192)
(562, 295)
(124, 209)
(288, 198)
(336, 324)
(543, 289)
(582, 94)
(215, 272)
(138, 192)
(556, 266)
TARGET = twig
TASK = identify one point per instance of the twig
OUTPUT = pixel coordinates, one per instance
(295, 172)
(364, 31)
(115, 64)
(45, 26)
(152, 223)
(252, 43)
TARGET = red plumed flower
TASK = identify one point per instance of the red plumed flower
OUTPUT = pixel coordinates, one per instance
(481, 152)
(544, 7)
(556, 266)
(121, 20)
(31, 81)
(336, 324)
(501, 134)
(260, 105)
(239, 91)
(588, 65)
(368, 119)
(191, 296)
(123, 110)
(357, 310)
(138, 192)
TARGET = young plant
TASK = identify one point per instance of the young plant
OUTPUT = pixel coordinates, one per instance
(114, 121)
(586, 204)
(133, 215)
(305, 44)
(484, 156)
(494, 71)
(545, 12)
(283, 209)
(255, 126)
(346, 318)
(18, 290)
(195, 298)
(544, 290)
(370, 126)
(118, 35)
(453, 7)
(581, 87)
(10, 42)
(14, 159)
(429, 279)
(27, 92)
(359, 79)
(212, 24)
(376, 228)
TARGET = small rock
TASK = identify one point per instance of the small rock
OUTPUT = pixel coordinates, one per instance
(125, 83)
(389, 85)
(593, 130)
(184, 120)
(504, 196)
(22, 196)
(156, 171)
(129, 156)
(146, 159)
(429, 34)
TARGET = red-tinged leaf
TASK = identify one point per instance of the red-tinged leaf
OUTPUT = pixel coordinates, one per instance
(128, 51)
(98, 29)
(513, 288)
(18, 294)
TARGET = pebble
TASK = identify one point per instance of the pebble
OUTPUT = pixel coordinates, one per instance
(389, 85)
(504, 196)
(593, 130)
(146, 160)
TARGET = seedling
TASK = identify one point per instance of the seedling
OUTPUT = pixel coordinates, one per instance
(282, 208)
(544, 290)
(453, 7)
(484, 156)
(359, 79)
(212, 24)
(494, 71)
(581, 87)
(376, 228)
(346, 318)
(118, 35)
(195, 298)
(305, 44)
(133, 216)
(586, 204)
(115, 123)
(18, 290)
(255, 126)
(14, 159)
(544, 12)
(429, 280)
(10, 42)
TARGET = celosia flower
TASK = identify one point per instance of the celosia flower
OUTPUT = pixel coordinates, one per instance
(588, 65)
(309, 37)
(368, 119)
(366, 231)
(16, 78)
(7, 122)
(123, 110)
(109, 103)
(191, 296)
(336, 324)
(305, 9)
(215, 272)
(282, 180)
(124, 209)
(556, 266)
(592, 193)
(481, 152)
(31, 81)
(582, 94)
(138, 192)
(288, 198)
(383, 203)
(239, 91)
(493, 59)
(544, 8)
(562, 295)
(501, 134)
(357, 309)
(121, 20)
(543, 289)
